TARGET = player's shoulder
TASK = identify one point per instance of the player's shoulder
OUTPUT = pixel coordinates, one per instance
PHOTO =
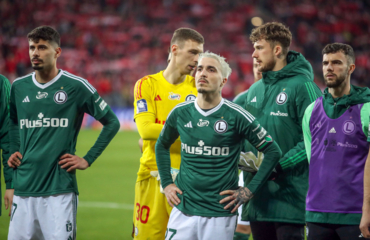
(4, 81)
(152, 78)
(78, 82)
(22, 79)
(237, 111)
(183, 107)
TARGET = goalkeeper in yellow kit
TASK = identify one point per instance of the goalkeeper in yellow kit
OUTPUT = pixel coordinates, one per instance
(155, 96)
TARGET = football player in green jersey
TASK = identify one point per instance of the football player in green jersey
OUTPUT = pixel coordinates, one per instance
(4, 142)
(278, 101)
(212, 131)
(46, 112)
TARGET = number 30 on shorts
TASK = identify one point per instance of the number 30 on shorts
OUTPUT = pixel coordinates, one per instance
(143, 210)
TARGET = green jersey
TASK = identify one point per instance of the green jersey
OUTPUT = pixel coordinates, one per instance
(210, 147)
(44, 123)
(4, 138)
(278, 101)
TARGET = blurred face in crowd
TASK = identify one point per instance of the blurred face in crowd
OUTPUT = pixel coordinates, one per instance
(257, 74)
(186, 55)
(264, 55)
(208, 76)
(336, 69)
(43, 54)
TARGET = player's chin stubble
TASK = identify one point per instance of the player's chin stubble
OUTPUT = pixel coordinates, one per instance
(37, 67)
(268, 66)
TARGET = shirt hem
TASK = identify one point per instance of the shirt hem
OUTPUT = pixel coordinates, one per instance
(32, 194)
(204, 214)
(330, 211)
(275, 220)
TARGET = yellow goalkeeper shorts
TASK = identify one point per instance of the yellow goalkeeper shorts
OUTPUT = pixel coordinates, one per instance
(151, 212)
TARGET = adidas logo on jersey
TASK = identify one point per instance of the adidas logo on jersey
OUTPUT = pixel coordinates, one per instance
(26, 99)
(157, 98)
(188, 125)
(254, 99)
(332, 130)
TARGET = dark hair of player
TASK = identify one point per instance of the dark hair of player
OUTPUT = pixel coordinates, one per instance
(340, 47)
(183, 34)
(274, 33)
(45, 33)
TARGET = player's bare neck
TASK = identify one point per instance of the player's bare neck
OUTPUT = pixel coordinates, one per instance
(340, 91)
(208, 101)
(173, 76)
(44, 76)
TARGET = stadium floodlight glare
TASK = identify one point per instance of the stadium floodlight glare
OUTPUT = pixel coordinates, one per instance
(257, 21)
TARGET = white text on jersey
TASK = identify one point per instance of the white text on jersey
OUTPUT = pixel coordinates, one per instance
(205, 150)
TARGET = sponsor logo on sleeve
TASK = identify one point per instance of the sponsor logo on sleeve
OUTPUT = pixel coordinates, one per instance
(281, 98)
(60, 97)
(142, 106)
(102, 105)
(261, 134)
(174, 96)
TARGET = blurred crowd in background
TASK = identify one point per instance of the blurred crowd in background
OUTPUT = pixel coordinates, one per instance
(114, 43)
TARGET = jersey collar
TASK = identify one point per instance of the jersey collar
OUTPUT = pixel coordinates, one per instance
(210, 111)
(43, 86)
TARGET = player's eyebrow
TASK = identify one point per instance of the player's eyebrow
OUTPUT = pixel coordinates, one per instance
(211, 67)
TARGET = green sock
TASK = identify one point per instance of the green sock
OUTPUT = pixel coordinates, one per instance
(240, 236)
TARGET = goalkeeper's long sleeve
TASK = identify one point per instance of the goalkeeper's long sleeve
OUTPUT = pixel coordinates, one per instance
(111, 126)
(167, 137)
(148, 129)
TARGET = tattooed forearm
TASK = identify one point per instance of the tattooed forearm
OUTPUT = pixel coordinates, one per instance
(243, 195)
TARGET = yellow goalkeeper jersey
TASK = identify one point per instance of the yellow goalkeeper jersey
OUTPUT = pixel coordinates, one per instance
(155, 96)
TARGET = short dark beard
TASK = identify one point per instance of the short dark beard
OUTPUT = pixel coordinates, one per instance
(268, 66)
(202, 91)
(37, 68)
(340, 79)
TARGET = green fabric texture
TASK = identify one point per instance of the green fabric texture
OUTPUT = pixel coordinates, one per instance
(240, 236)
(240, 98)
(306, 130)
(4, 138)
(111, 126)
(334, 108)
(334, 218)
(278, 102)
